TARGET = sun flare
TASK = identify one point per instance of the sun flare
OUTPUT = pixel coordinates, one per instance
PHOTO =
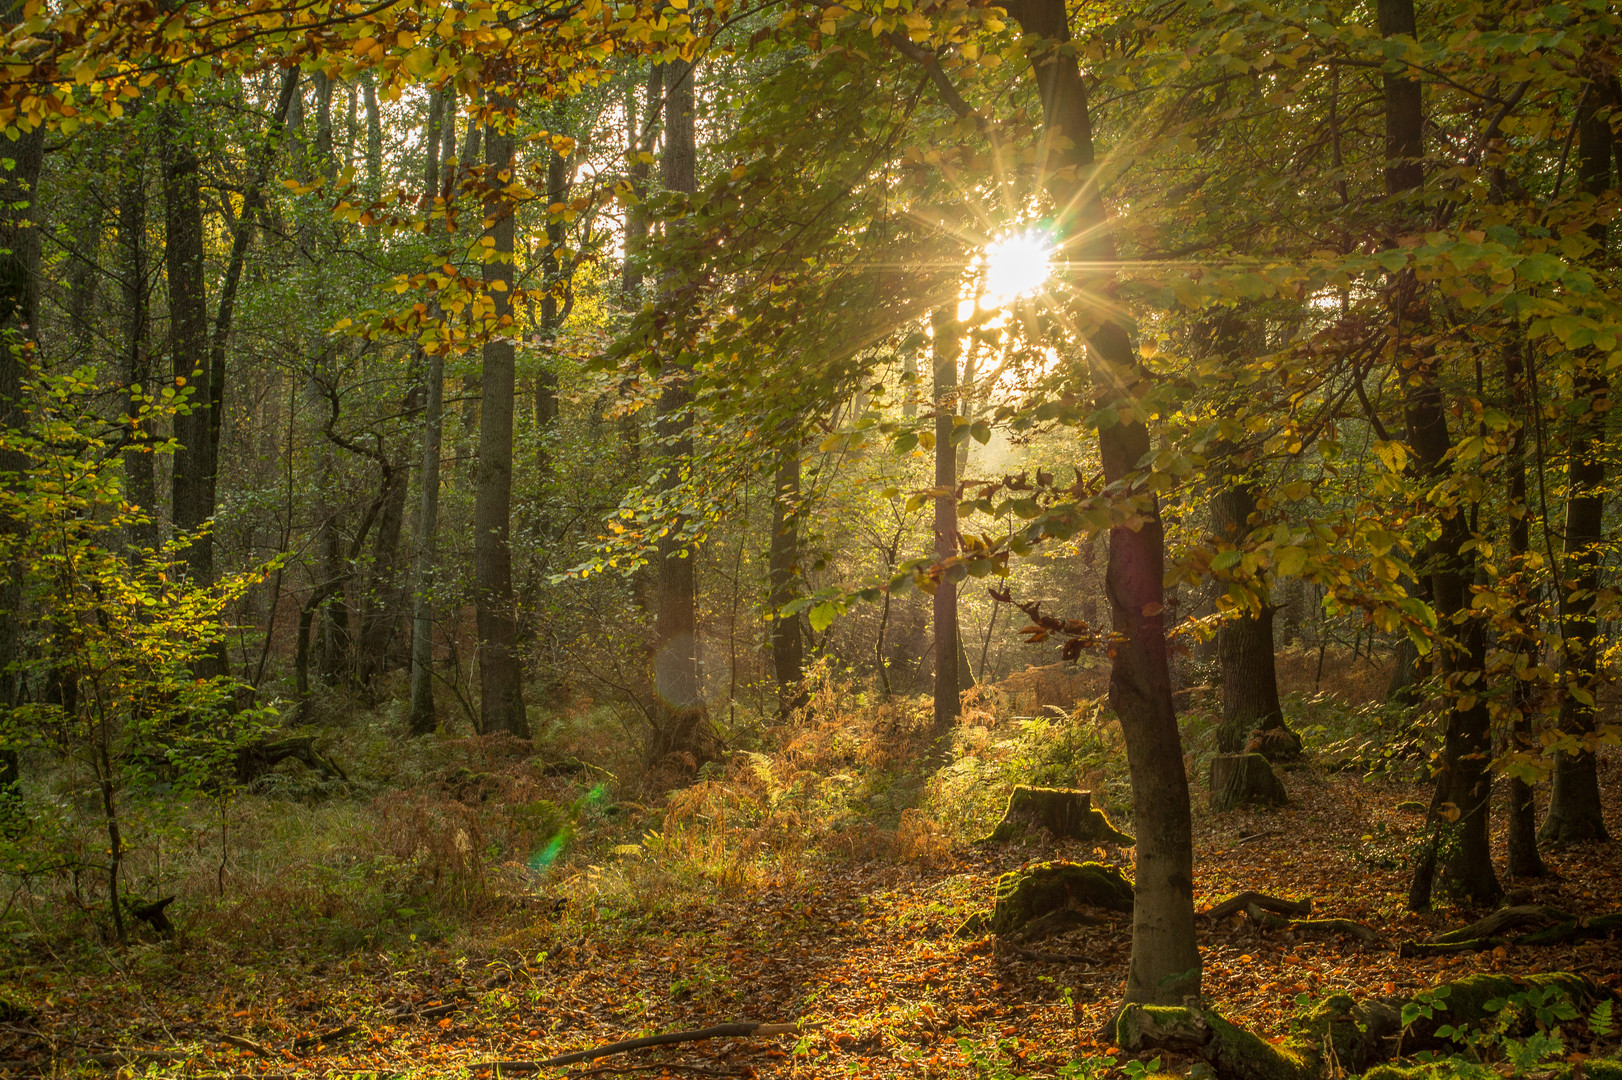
(1018, 265)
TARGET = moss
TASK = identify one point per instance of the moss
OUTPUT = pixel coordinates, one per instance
(1161, 1027)
(1237, 1053)
(1023, 895)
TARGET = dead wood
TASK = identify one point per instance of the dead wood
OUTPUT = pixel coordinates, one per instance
(1267, 919)
(1503, 919)
(256, 759)
(308, 1041)
(152, 914)
(1571, 930)
(670, 1038)
(245, 1044)
(1275, 904)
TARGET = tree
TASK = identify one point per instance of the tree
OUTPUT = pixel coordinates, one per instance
(501, 689)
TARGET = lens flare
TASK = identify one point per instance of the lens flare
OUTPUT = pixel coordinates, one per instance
(1018, 264)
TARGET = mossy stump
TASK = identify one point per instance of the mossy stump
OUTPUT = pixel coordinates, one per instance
(1276, 743)
(1024, 896)
(1244, 780)
(1067, 813)
(1232, 1052)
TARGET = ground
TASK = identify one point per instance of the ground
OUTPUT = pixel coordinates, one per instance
(859, 944)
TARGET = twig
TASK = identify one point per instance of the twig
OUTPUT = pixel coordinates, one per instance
(326, 1036)
(660, 1067)
(1047, 957)
(719, 1031)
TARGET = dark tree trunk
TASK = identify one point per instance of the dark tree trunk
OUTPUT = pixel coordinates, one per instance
(193, 465)
(1575, 810)
(441, 112)
(1244, 644)
(501, 680)
(139, 475)
(1165, 961)
(554, 309)
(675, 656)
(788, 647)
(947, 348)
(1524, 858)
(380, 607)
(1461, 803)
(19, 299)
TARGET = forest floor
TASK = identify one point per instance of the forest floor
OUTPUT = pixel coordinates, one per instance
(862, 946)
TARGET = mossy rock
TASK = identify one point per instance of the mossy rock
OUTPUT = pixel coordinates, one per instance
(1360, 1033)
(1067, 813)
(1023, 896)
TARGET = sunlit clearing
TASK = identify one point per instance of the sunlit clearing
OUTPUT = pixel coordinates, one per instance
(1018, 265)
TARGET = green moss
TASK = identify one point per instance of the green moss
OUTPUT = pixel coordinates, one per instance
(1024, 895)
(1239, 1053)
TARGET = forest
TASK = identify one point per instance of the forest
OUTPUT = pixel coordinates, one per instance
(1069, 539)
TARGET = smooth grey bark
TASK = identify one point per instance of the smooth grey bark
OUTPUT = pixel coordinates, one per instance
(1244, 644)
(374, 136)
(1165, 959)
(501, 677)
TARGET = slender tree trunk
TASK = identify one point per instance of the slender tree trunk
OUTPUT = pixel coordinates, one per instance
(947, 348)
(139, 475)
(1524, 858)
(788, 648)
(1575, 810)
(501, 677)
(553, 312)
(19, 299)
(675, 656)
(422, 717)
(1461, 803)
(1165, 961)
(380, 598)
(374, 136)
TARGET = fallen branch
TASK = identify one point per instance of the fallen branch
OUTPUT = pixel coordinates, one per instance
(1271, 921)
(1275, 904)
(308, 1041)
(1503, 919)
(245, 1044)
(719, 1031)
(660, 1067)
(1572, 930)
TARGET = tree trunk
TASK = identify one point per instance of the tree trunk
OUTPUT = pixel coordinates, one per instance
(193, 466)
(1461, 803)
(441, 110)
(19, 274)
(947, 347)
(139, 475)
(501, 689)
(675, 657)
(1165, 962)
(1244, 644)
(374, 137)
(380, 597)
(553, 311)
(788, 647)
(1575, 810)
(1524, 858)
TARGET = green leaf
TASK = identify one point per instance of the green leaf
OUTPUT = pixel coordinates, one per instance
(823, 615)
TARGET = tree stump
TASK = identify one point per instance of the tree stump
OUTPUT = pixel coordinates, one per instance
(1244, 780)
(1065, 812)
(1024, 896)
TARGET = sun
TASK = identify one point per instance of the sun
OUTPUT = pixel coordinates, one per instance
(1018, 265)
